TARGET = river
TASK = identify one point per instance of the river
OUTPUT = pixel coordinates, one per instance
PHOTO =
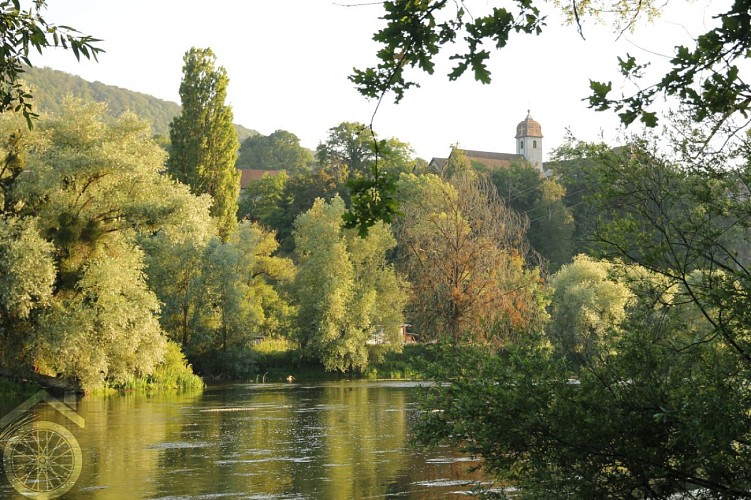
(330, 440)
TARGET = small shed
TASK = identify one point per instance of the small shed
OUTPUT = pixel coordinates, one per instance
(407, 336)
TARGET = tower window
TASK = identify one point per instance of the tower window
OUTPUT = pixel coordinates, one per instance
(534, 144)
(521, 144)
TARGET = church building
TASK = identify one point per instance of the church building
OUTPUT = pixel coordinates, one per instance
(528, 147)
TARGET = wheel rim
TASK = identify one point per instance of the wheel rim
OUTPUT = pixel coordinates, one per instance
(42, 460)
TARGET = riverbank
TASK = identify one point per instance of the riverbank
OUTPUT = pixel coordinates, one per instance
(276, 363)
(173, 374)
(11, 389)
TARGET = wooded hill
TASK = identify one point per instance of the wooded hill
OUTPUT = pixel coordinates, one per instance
(50, 86)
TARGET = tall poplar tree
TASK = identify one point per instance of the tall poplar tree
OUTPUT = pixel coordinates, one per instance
(204, 141)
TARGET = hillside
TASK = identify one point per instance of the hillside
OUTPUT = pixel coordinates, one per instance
(50, 86)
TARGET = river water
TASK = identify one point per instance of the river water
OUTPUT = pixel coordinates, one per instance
(330, 440)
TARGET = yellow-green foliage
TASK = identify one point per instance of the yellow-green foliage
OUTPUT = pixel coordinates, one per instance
(276, 354)
(409, 363)
(10, 389)
(345, 289)
(275, 345)
(85, 195)
(174, 373)
(588, 306)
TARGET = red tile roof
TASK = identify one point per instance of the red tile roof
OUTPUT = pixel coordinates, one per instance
(247, 175)
(492, 160)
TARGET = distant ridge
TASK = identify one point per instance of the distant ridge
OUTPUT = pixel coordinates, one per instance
(50, 86)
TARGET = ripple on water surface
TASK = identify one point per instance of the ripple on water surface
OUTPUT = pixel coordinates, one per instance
(176, 445)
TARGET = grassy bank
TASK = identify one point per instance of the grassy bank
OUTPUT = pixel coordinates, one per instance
(173, 374)
(408, 364)
(277, 359)
(11, 389)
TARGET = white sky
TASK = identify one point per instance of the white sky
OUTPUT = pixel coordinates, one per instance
(288, 62)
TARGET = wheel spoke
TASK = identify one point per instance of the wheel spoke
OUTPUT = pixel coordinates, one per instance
(43, 457)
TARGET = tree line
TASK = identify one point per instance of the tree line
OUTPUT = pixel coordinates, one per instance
(605, 356)
(637, 385)
(115, 247)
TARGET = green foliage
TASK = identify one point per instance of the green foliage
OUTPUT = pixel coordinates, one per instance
(346, 292)
(551, 223)
(661, 350)
(174, 257)
(204, 143)
(11, 390)
(410, 363)
(77, 205)
(577, 168)
(348, 149)
(174, 373)
(354, 155)
(87, 216)
(457, 165)
(27, 269)
(22, 31)
(395, 156)
(263, 200)
(352, 162)
(51, 87)
(280, 150)
(237, 278)
(415, 33)
(641, 421)
(684, 221)
(373, 200)
(324, 287)
(238, 363)
(300, 192)
(588, 306)
(705, 78)
(113, 308)
(275, 345)
(276, 354)
(220, 296)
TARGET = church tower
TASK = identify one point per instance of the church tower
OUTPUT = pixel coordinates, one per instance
(529, 141)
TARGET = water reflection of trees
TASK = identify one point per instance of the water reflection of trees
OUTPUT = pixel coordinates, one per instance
(366, 436)
(336, 440)
(120, 443)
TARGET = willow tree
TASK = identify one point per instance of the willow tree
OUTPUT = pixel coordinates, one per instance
(204, 141)
(78, 194)
(588, 305)
(348, 295)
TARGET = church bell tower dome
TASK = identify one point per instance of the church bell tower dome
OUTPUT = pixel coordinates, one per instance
(529, 141)
(528, 128)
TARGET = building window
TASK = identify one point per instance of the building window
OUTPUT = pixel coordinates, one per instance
(534, 144)
(521, 144)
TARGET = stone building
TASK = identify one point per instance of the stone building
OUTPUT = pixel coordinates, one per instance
(528, 147)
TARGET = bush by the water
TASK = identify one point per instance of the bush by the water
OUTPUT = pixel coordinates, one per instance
(408, 364)
(11, 389)
(174, 373)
